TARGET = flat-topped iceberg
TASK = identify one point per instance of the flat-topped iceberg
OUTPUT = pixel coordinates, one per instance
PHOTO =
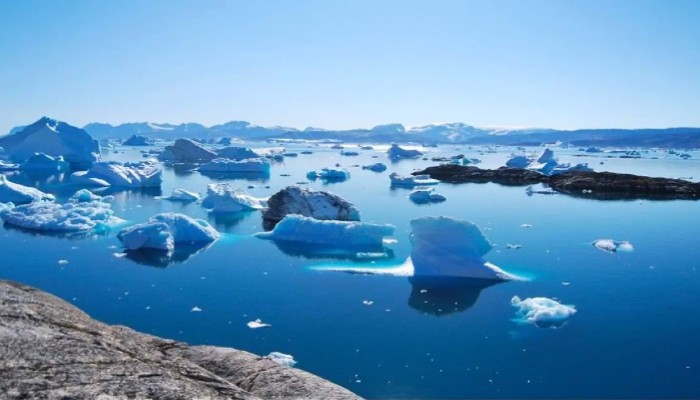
(613, 246)
(137, 140)
(329, 174)
(53, 138)
(113, 173)
(413, 180)
(314, 204)
(182, 195)
(257, 165)
(187, 151)
(342, 234)
(376, 167)
(423, 196)
(83, 212)
(222, 197)
(11, 192)
(396, 152)
(44, 162)
(444, 246)
(545, 164)
(542, 312)
(165, 231)
(237, 153)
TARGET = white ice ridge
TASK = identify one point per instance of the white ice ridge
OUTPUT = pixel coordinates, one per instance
(423, 196)
(181, 195)
(329, 174)
(612, 246)
(282, 359)
(542, 311)
(444, 246)
(396, 152)
(412, 180)
(43, 162)
(545, 164)
(222, 197)
(83, 212)
(11, 192)
(297, 228)
(228, 165)
(165, 231)
(113, 173)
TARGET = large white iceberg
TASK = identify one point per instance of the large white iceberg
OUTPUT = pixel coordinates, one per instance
(314, 204)
(423, 196)
(54, 138)
(396, 152)
(44, 162)
(187, 151)
(227, 165)
(237, 153)
(11, 192)
(413, 180)
(222, 197)
(329, 174)
(83, 212)
(344, 234)
(543, 312)
(444, 246)
(113, 173)
(164, 231)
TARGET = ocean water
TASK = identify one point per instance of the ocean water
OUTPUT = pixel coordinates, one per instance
(634, 334)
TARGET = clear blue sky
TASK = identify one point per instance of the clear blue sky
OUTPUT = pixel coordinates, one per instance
(352, 63)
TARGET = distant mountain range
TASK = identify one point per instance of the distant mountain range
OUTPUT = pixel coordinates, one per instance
(430, 134)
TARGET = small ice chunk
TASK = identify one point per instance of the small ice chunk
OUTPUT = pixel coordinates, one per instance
(376, 167)
(182, 195)
(329, 174)
(257, 324)
(525, 226)
(423, 196)
(415, 180)
(196, 309)
(367, 302)
(612, 246)
(62, 262)
(282, 359)
(542, 311)
(513, 246)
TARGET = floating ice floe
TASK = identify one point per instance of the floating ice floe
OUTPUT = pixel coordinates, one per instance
(83, 212)
(512, 246)
(237, 153)
(342, 234)
(349, 153)
(539, 189)
(423, 196)
(329, 174)
(11, 192)
(396, 152)
(182, 195)
(136, 140)
(545, 164)
(196, 309)
(222, 197)
(376, 167)
(43, 162)
(5, 166)
(542, 312)
(113, 173)
(612, 246)
(412, 180)
(257, 165)
(257, 324)
(315, 204)
(53, 138)
(165, 231)
(187, 151)
(444, 246)
(282, 359)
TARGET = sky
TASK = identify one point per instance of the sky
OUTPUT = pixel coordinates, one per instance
(352, 63)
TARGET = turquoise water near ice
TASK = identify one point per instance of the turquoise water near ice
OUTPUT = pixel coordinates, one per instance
(634, 334)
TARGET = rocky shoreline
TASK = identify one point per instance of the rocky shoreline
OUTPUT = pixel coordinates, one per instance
(596, 185)
(52, 350)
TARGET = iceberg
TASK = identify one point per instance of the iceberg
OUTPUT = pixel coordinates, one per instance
(410, 181)
(343, 234)
(227, 165)
(282, 359)
(136, 140)
(349, 153)
(11, 192)
(315, 204)
(43, 162)
(423, 196)
(396, 153)
(237, 153)
(520, 162)
(5, 166)
(164, 231)
(612, 246)
(257, 324)
(444, 246)
(545, 164)
(222, 197)
(542, 312)
(53, 138)
(83, 212)
(376, 167)
(187, 151)
(182, 195)
(113, 173)
(329, 174)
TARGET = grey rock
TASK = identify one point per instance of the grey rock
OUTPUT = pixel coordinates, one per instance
(315, 204)
(52, 350)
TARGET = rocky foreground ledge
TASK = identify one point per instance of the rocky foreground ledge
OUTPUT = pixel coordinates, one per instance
(597, 185)
(52, 350)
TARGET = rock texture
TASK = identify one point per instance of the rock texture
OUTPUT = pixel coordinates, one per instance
(314, 204)
(52, 350)
(597, 185)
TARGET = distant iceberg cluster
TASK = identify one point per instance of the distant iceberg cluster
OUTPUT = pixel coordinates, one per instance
(545, 164)
(542, 311)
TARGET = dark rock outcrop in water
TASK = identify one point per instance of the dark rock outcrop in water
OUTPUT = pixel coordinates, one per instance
(596, 185)
(52, 350)
(315, 204)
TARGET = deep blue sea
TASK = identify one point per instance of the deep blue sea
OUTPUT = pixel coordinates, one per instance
(635, 333)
